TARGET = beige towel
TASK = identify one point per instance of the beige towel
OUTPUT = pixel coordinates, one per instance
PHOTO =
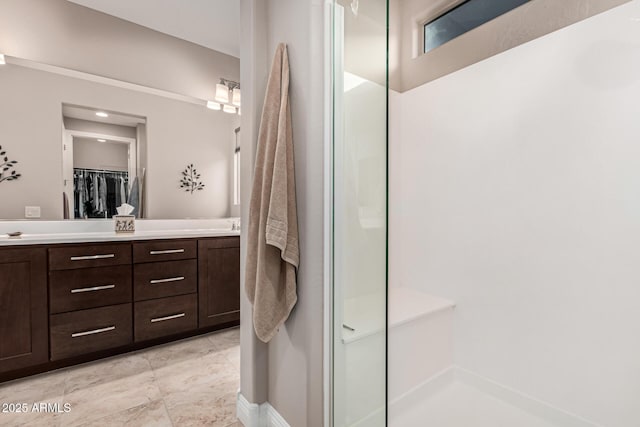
(272, 247)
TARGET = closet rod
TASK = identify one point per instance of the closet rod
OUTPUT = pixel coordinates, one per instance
(99, 170)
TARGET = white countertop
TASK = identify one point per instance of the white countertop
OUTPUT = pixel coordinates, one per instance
(40, 239)
(53, 232)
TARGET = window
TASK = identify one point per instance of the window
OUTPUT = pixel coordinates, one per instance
(236, 171)
(463, 18)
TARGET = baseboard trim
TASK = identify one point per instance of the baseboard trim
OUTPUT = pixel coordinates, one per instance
(258, 415)
(272, 417)
(248, 413)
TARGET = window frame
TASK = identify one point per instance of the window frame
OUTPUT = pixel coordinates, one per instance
(441, 12)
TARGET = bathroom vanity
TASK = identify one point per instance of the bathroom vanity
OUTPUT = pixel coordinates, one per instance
(63, 303)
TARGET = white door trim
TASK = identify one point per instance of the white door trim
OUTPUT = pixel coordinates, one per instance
(132, 142)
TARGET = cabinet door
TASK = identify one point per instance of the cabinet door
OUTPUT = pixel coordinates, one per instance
(218, 281)
(23, 308)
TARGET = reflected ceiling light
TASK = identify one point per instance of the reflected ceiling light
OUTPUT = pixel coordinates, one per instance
(229, 109)
(2, 60)
(212, 105)
(239, 111)
(236, 97)
(102, 114)
(102, 140)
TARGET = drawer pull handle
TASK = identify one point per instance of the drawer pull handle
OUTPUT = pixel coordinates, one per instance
(162, 319)
(170, 279)
(93, 332)
(167, 251)
(88, 257)
(91, 289)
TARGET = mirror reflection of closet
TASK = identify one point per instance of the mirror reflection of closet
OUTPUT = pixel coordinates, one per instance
(100, 162)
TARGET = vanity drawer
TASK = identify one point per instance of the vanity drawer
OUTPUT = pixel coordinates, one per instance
(87, 331)
(165, 279)
(166, 316)
(164, 250)
(79, 289)
(72, 257)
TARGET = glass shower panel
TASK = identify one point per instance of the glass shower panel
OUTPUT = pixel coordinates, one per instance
(359, 248)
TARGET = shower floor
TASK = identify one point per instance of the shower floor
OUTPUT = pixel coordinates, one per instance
(456, 404)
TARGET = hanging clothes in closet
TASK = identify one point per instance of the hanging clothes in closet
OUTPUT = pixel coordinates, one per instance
(97, 193)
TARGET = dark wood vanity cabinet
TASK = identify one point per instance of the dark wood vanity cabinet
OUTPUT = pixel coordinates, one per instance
(219, 280)
(23, 308)
(89, 298)
(166, 288)
(88, 331)
(68, 303)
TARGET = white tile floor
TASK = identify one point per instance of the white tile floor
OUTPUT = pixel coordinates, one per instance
(192, 382)
(456, 404)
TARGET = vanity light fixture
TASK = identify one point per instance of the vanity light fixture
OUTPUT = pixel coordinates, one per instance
(2, 60)
(212, 105)
(235, 99)
(227, 97)
(228, 92)
(102, 140)
(222, 93)
(101, 114)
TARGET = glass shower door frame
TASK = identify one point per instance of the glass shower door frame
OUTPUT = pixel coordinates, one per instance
(334, 124)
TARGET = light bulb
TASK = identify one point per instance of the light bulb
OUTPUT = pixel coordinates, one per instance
(235, 99)
(2, 60)
(229, 109)
(102, 114)
(222, 93)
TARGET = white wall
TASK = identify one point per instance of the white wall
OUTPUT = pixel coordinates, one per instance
(295, 354)
(359, 249)
(288, 372)
(253, 77)
(58, 32)
(103, 128)
(91, 154)
(360, 211)
(517, 196)
(178, 133)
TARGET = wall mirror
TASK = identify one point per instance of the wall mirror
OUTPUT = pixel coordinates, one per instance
(100, 162)
(127, 111)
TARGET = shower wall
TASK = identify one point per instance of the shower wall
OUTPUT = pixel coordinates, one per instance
(515, 193)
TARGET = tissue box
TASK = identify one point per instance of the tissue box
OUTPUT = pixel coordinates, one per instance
(125, 223)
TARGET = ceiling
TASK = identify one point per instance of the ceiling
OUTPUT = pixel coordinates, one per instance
(89, 114)
(210, 23)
